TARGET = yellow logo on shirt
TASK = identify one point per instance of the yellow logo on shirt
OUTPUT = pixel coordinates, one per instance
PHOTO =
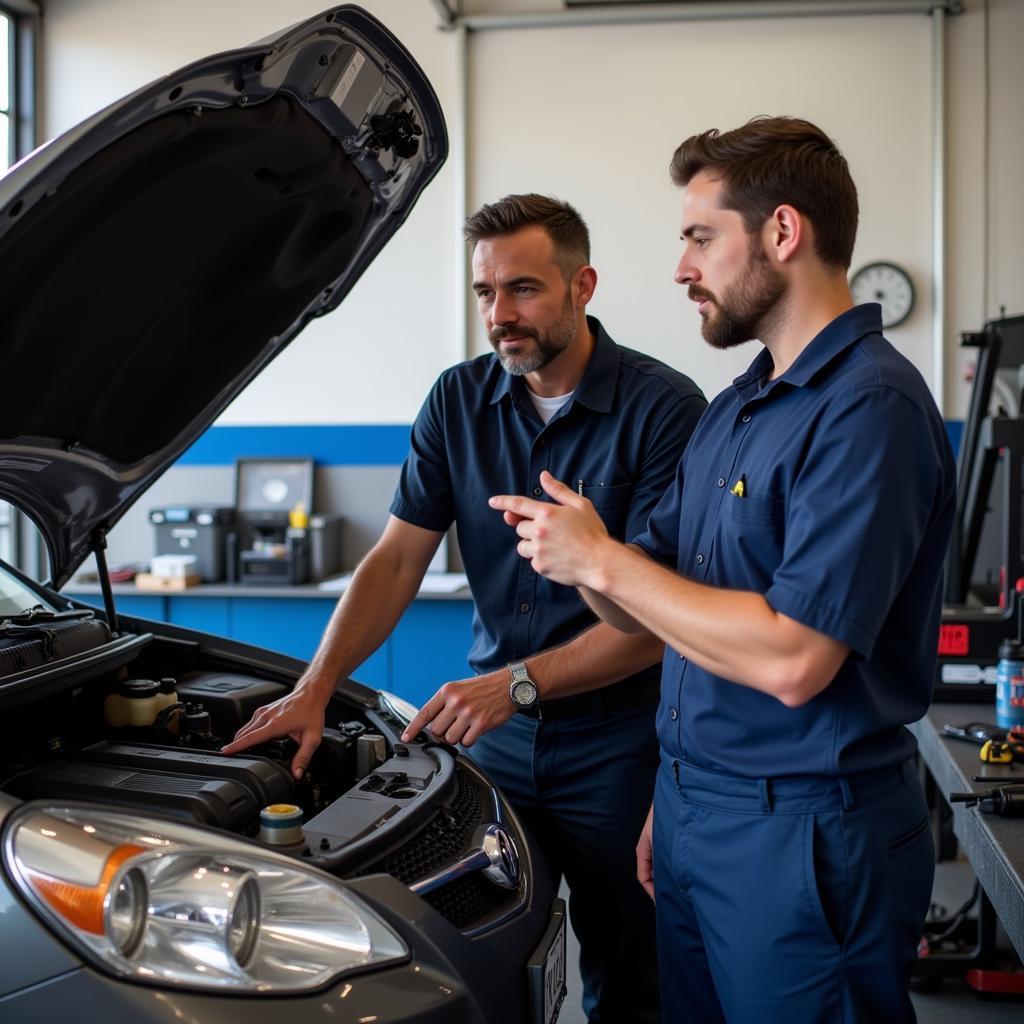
(740, 487)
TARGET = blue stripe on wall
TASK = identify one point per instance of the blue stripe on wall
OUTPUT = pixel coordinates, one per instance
(363, 444)
(327, 445)
(955, 430)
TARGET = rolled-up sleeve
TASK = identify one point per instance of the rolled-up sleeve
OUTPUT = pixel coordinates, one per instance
(424, 493)
(856, 516)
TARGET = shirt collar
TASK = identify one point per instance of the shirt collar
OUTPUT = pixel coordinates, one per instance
(847, 329)
(596, 389)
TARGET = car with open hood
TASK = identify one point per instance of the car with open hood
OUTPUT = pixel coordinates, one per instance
(190, 232)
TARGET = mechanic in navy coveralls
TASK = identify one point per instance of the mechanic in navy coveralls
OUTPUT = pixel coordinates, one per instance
(557, 395)
(793, 571)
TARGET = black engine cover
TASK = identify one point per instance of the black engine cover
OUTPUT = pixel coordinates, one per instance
(199, 786)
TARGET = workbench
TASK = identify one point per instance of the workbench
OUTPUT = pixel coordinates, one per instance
(993, 845)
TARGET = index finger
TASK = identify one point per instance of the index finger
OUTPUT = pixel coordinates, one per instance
(423, 717)
(250, 738)
(525, 508)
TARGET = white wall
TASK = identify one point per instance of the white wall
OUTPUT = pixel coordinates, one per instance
(985, 161)
(370, 361)
(593, 114)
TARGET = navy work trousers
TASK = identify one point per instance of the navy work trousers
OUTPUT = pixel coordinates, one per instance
(583, 786)
(792, 899)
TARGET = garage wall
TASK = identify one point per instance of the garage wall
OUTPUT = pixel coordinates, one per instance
(985, 176)
(618, 99)
(593, 115)
(1004, 158)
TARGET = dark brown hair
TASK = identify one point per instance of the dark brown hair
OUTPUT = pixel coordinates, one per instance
(770, 161)
(564, 225)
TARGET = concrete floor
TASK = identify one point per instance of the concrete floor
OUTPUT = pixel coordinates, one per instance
(954, 1003)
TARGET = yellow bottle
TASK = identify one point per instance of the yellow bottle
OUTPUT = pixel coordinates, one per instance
(298, 518)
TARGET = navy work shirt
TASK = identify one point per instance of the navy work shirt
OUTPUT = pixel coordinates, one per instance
(618, 441)
(846, 510)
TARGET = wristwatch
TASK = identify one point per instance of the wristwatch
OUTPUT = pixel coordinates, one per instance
(522, 690)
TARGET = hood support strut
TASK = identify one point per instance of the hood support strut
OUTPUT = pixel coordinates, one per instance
(99, 547)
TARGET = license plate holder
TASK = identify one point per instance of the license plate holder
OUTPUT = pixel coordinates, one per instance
(546, 970)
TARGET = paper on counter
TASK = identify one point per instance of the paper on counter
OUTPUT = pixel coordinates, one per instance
(337, 583)
(443, 582)
(433, 583)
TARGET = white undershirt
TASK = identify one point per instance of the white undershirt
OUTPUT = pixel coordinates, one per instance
(547, 407)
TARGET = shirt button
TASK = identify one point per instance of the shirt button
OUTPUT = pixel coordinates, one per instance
(524, 607)
(700, 559)
(537, 492)
(673, 714)
(746, 418)
(721, 481)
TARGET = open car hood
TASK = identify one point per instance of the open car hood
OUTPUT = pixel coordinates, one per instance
(159, 255)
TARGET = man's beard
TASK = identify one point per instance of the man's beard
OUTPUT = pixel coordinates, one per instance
(547, 346)
(738, 316)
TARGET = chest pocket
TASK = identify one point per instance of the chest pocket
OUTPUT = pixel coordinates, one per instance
(612, 505)
(755, 510)
(752, 533)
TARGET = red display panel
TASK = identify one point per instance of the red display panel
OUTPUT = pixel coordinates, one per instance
(954, 639)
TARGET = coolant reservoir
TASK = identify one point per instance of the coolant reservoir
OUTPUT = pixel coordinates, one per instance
(133, 702)
(168, 693)
(168, 696)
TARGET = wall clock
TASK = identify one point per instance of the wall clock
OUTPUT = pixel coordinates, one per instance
(888, 285)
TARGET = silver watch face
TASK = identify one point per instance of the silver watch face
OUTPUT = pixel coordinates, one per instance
(524, 693)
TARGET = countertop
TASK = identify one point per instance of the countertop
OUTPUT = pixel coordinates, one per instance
(301, 590)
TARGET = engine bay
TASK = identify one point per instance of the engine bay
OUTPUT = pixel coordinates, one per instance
(145, 736)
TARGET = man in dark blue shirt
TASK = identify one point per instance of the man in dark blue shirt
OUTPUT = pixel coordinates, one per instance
(557, 395)
(794, 572)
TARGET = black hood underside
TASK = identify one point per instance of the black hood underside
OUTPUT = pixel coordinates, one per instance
(249, 212)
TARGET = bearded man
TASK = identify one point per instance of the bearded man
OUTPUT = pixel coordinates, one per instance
(794, 572)
(558, 396)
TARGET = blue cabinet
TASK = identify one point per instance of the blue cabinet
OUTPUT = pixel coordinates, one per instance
(208, 614)
(290, 626)
(144, 606)
(427, 648)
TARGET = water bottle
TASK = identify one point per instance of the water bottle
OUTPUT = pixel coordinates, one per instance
(1010, 685)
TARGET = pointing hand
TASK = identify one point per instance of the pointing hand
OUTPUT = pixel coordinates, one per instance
(560, 537)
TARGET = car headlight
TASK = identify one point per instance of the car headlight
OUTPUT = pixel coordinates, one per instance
(399, 706)
(169, 904)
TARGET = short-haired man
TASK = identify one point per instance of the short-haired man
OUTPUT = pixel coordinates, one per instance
(558, 395)
(793, 571)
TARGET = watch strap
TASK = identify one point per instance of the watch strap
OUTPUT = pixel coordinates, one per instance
(520, 673)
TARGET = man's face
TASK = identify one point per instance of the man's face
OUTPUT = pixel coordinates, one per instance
(726, 269)
(525, 303)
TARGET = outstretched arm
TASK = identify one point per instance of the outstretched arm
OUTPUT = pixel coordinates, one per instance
(567, 542)
(381, 589)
